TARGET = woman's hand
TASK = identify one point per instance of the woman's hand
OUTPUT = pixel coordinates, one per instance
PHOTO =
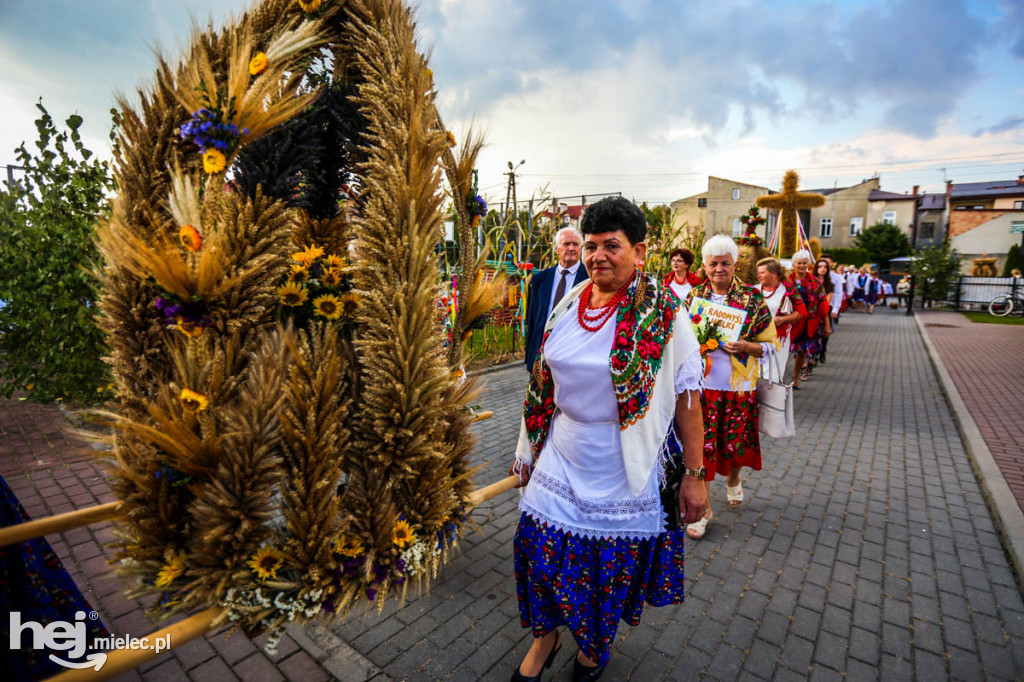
(734, 347)
(828, 329)
(693, 499)
(520, 470)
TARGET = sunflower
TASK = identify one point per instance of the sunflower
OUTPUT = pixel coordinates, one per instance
(347, 546)
(328, 306)
(298, 273)
(171, 570)
(190, 238)
(308, 255)
(332, 277)
(258, 64)
(403, 534)
(193, 401)
(214, 161)
(292, 294)
(310, 5)
(189, 328)
(336, 262)
(266, 562)
(350, 303)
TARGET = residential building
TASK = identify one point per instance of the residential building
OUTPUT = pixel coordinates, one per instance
(691, 212)
(931, 220)
(895, 209)
(842, 217)
(984, 217)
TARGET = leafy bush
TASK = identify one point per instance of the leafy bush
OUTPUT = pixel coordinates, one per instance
(884, 241)
(1014, 259)
(934, 271)
(856, 257)
(50, 343)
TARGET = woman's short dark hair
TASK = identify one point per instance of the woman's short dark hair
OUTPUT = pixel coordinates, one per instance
(685, 254)
(615, 213)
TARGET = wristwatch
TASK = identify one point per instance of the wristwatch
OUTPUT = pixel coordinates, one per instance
(697, 473)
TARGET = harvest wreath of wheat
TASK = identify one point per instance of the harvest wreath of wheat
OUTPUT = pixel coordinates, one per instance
(291, 437)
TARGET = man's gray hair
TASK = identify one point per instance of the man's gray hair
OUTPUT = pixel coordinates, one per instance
(719, 245)
(568, 228)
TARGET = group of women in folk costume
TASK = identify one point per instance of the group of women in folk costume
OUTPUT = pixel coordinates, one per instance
(808, 333)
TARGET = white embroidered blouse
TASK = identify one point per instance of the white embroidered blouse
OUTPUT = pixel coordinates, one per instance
(579, 483)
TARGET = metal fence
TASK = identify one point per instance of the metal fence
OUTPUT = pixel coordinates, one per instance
(969, 292)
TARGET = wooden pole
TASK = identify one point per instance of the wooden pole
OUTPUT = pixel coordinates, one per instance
(59, 523)
(121, 660)
(481, 495)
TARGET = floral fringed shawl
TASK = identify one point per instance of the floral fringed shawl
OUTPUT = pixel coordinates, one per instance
(649, 347)
(812, 291)
(758, 328)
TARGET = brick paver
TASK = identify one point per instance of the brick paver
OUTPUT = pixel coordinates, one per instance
(986, 362)
(53, 470)
(865, 550)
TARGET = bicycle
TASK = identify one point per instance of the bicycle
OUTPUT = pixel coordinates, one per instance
(1007, 304)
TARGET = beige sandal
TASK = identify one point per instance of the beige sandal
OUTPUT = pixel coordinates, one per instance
(734, 494)
(697, 529)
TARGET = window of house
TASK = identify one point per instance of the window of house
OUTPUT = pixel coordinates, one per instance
(1018, 204)
(856, 226)
(735, 194)
(889, 217)
(702, 203)
(737, 228)
(1017, 227)
(825, 227)
(927, 231)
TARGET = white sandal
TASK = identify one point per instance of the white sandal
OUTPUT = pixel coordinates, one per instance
(697, 529)
(734, 495)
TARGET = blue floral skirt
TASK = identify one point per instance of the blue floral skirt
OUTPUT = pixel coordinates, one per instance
(588, 585)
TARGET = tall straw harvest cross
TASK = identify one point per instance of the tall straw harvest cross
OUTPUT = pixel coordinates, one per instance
(788, 202)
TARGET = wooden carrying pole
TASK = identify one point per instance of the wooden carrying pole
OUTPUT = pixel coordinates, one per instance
(59, 523)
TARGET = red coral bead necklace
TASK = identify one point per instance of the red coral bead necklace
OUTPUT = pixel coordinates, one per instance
(592, 319)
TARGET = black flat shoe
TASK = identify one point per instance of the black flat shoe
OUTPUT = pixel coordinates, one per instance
(519, 677)
(585, 673)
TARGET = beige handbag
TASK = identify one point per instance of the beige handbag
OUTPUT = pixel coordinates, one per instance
(775, 406)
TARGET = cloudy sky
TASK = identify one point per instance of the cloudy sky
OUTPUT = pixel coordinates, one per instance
(643, 97)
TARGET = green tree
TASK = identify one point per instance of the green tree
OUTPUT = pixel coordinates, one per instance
(884, 241)
(659, 219)
(1014, 260)
(934, 269)
(50, 343)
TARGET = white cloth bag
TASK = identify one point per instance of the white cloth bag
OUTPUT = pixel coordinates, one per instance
(775, 406)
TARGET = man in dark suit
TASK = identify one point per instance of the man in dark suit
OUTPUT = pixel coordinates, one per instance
(549, 285)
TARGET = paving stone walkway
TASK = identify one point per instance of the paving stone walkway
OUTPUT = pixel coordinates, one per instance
(865, 551)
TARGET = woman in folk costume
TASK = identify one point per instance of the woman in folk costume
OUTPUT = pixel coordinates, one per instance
(808, 334)
(786, 307)
(614, 389)
(731, 439)
(681, 280)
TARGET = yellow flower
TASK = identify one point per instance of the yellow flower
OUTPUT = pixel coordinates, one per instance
(189, 328)
(292, 293)
(451, 139)
(712, 344)
(171, 570)
(336, 262)
(403, 534)
(299, 273)
(332, 277)
(258, 64)
(350, 303)
(214, 161)
(310, 5)
(266, 562)
(193, 401)
(308, 255)
(328, 306)
(347, 546)
(190, 238)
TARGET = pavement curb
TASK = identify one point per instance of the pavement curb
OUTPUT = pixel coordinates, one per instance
(1008, 515)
